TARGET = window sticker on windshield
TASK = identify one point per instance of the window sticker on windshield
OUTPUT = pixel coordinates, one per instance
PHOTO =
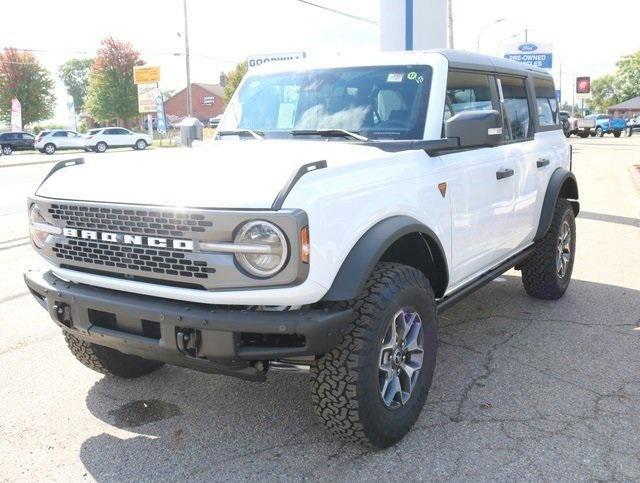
(393, 77)
(286, 113)
(415, 77)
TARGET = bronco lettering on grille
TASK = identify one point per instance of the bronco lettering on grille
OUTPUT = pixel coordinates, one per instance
(149, 241)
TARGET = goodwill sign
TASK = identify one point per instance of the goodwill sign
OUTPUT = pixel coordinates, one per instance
(539, 55)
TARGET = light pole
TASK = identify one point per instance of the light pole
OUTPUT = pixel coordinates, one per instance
(485, 28)
(186, 53)
(503, 41)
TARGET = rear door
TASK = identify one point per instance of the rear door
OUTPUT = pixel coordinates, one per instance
(110, 136)
(551, 144)
(520, 153)
(60, 139)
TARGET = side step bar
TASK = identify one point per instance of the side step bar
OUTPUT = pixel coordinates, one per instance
(453, 298)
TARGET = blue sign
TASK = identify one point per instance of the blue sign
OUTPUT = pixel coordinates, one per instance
(527, 48)
(545, 61)
(161, 122)
(532, 53)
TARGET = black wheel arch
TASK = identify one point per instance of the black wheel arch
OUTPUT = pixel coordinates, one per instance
(562, 184)
(399, 239)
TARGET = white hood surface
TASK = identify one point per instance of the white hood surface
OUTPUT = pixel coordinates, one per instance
(221, 174)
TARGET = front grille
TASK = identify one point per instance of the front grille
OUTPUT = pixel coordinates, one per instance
(150, 260)
(140, 221)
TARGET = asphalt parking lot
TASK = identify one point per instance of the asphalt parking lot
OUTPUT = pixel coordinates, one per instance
(524, 389)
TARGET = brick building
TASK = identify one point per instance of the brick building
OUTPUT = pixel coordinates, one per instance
(207, 101)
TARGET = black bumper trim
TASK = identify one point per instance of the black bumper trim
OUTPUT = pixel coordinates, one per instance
(219, 328)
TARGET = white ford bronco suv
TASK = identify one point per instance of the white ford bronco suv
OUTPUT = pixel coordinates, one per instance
(342, 206)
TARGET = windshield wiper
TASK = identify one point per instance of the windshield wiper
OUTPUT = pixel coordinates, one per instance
(329, 132)
(240, 132)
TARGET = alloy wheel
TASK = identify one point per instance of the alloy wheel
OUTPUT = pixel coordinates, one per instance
(400, 358)
(563, 252)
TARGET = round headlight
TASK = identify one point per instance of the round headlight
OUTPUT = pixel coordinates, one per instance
(38, 237)
(265, 248)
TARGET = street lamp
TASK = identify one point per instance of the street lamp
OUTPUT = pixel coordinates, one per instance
(485, 28)
(504, 40)
(186, 53)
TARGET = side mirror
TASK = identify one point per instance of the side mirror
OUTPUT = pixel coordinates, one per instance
(475, 128)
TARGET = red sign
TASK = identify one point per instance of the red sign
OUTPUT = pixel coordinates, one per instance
(583, 85)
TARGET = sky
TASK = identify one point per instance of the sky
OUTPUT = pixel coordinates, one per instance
(587, 37)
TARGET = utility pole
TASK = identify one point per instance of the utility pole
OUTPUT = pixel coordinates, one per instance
(450, 22)
(186, 53)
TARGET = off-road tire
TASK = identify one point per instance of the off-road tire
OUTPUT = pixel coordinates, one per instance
(109, 361)
(617, 134)
(345, 382)
(539, 274)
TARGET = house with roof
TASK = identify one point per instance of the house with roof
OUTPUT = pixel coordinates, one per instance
(627, 109)
(207, 102)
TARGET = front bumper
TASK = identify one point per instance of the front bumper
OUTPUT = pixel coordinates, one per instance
(204, 337)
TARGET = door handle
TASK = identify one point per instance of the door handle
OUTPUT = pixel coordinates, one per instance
(504, 173)
(542, 162)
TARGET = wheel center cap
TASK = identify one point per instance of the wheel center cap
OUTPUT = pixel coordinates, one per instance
(397, 357)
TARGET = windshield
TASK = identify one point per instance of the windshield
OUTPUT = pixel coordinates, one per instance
(377, 102)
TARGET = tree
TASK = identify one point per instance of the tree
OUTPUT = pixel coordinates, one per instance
(234, 78)
(23, 78)
(75, 75)
(111, 94)
(628, 77)
(604, 93)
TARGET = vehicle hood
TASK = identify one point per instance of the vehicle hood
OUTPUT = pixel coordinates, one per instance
(221, 174)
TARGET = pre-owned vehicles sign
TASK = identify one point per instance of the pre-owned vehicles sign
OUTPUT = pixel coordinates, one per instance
(539, 55)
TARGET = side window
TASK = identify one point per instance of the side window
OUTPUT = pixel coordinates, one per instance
(467, 91)
(546, 102)
(517, 119)
(120, 131)
(60, 134)
(110, 131)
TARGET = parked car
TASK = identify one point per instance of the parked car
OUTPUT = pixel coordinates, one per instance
(214, 121)
(16, 141)
(332, 249)
(564, 122)
(59, 139)
(581, 126)
(115, 137)
(606, 124)
(633, 125)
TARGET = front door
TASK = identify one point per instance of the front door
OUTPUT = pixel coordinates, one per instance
(482, 184)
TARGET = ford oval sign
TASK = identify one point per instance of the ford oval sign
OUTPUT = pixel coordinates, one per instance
(528, 48)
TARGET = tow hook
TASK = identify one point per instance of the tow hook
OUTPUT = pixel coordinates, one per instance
(63, 314)
(188, 341)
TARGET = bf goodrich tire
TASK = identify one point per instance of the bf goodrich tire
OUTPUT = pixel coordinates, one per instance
(371, 388)
(109, 361)
(547, 272)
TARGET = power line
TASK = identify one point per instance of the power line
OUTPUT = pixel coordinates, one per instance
(340, 12)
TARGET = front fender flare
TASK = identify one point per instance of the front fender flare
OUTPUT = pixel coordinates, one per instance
(368, 250)
(562, 184)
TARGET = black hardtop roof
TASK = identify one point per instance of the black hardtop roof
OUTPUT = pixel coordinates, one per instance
(459, 59)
